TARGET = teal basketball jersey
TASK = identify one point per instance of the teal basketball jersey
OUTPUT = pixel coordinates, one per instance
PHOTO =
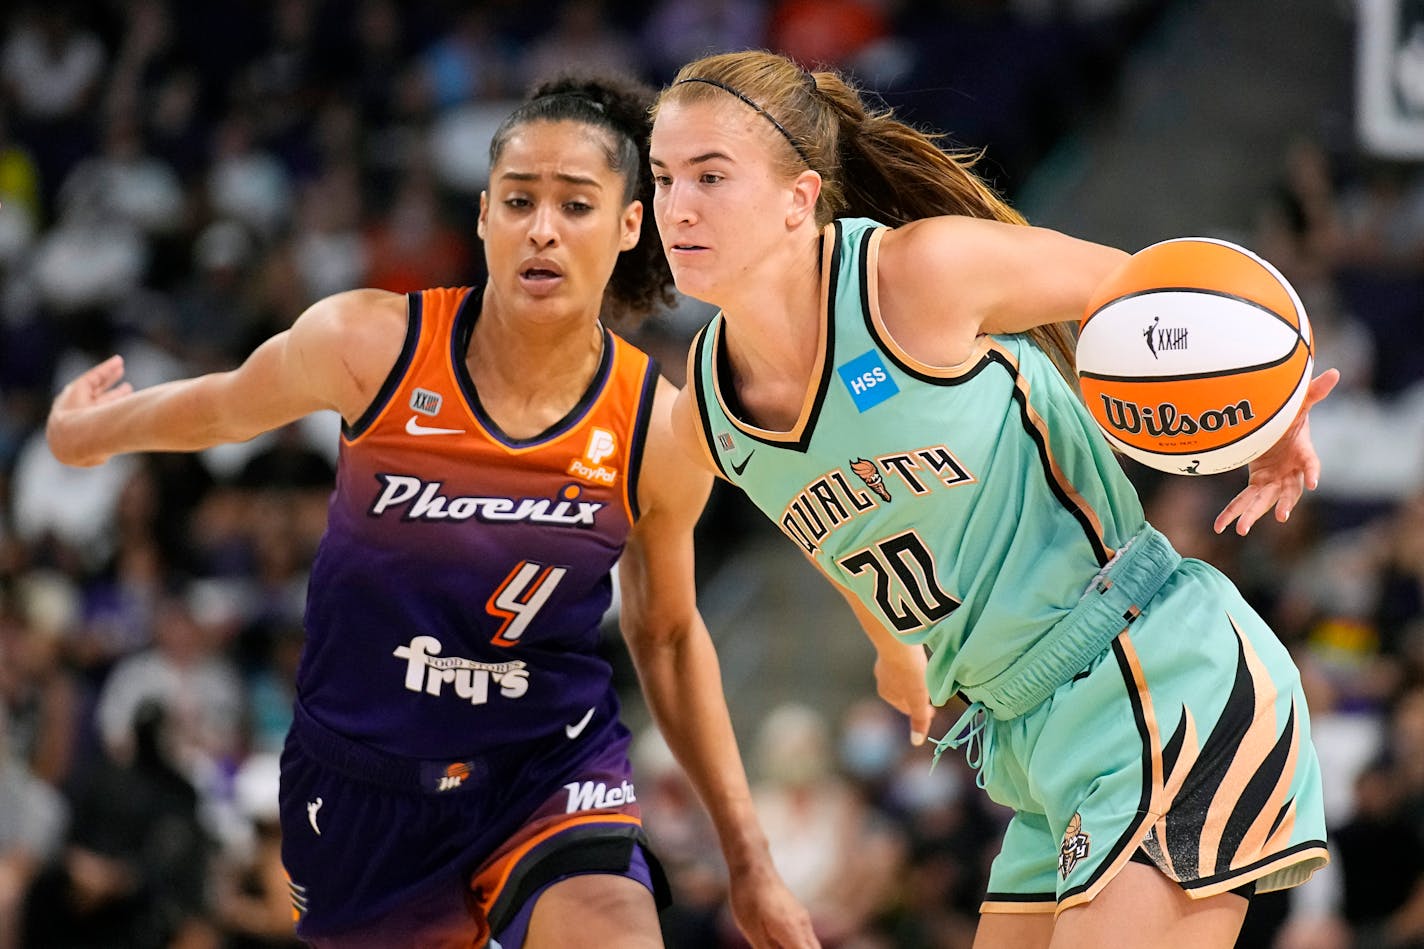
(968, 506)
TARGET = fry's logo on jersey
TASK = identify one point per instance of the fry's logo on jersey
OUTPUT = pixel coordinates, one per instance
(420, 500)
(591, 795)
(601, 445)
(427, 671)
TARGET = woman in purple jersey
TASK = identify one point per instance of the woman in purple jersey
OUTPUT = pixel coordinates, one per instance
(566, 182)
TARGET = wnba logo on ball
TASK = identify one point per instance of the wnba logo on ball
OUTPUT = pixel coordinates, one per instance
(1165, 420)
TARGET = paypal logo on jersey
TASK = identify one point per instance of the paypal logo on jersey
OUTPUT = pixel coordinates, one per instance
(867, 380)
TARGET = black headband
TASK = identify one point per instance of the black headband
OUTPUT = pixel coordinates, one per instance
(769, 117)
(571, 94)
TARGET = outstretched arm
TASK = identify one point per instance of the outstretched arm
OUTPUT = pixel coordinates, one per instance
(677, 666)
(333, 357)
(1281, 475)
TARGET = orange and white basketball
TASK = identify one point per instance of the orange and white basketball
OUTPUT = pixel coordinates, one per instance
(1194, 356)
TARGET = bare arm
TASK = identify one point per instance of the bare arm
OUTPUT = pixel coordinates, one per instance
(899, 670)
(333, 357)
(677, 666)
(945, 280)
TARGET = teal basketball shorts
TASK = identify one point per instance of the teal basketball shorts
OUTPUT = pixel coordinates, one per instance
(1185, 742)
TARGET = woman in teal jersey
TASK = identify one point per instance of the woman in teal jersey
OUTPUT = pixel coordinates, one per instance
(889, 381)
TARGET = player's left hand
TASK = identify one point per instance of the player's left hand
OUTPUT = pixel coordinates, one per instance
(1282, 474)
(767, 914)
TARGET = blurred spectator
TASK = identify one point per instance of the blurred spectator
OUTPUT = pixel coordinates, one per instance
(327, 247)
(832, 853)
(71, 507)
(470, 61)
(127, 182)
(50, 71)
(195, 686)
(214, 308)
(134, 872)
(825, 33)
(1382, 858)
(19, 198)
(583, 38)
(685, 841)
(253, 901)
(244, 181)
(32, 825)
(679, 31)
(411, 248)
(39, 698)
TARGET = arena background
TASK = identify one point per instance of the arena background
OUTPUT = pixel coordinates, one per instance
(179, 180)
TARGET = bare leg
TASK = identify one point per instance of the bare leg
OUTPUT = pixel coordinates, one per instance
(595, 909)
(1014, 931)
(1142, 908)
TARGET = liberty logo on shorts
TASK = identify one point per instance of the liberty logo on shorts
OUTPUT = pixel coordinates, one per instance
(867, 381)
(1075, 846)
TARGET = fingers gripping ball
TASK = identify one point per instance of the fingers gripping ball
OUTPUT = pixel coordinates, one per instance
(1194, 356)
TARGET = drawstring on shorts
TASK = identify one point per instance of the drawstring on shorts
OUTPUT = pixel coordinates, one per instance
(971, 729)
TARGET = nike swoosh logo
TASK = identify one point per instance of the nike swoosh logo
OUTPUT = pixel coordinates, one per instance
(312, 808)
(576, 729)
(745, 461)
(413, 427)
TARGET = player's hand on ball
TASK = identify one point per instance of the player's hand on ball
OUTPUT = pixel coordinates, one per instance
(1283, 473)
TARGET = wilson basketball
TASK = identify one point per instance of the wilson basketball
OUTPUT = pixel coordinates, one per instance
(1194, 356)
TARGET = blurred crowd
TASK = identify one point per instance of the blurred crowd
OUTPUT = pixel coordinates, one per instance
(179, 180)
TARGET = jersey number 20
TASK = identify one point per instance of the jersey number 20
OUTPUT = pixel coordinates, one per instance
(906, 588)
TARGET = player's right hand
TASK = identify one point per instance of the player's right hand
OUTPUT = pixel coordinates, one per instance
(96, 387)
(900, 681)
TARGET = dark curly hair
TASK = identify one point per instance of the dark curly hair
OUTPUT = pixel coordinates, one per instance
(641, 283)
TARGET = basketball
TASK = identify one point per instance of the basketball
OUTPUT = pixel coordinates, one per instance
(1194, 356)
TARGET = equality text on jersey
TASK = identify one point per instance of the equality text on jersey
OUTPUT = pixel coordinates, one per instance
(843, 494)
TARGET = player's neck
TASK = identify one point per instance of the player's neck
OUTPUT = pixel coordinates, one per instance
(773, 342)
(530, 373)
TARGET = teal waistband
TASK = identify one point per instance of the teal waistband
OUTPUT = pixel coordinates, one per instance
(1111, 604)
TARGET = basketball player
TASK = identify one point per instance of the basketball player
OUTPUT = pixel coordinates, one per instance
(881, 382)
(457, 769)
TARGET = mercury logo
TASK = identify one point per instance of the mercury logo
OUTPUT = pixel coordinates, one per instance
(592, 795)
(1166, 420)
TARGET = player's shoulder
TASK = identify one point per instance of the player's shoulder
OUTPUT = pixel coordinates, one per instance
(358, 332)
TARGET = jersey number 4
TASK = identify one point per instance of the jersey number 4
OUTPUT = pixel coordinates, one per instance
(520, 597)
(906, 588)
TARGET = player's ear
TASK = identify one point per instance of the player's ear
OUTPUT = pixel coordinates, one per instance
(805, 192)
(631, 226)
(484, 213)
